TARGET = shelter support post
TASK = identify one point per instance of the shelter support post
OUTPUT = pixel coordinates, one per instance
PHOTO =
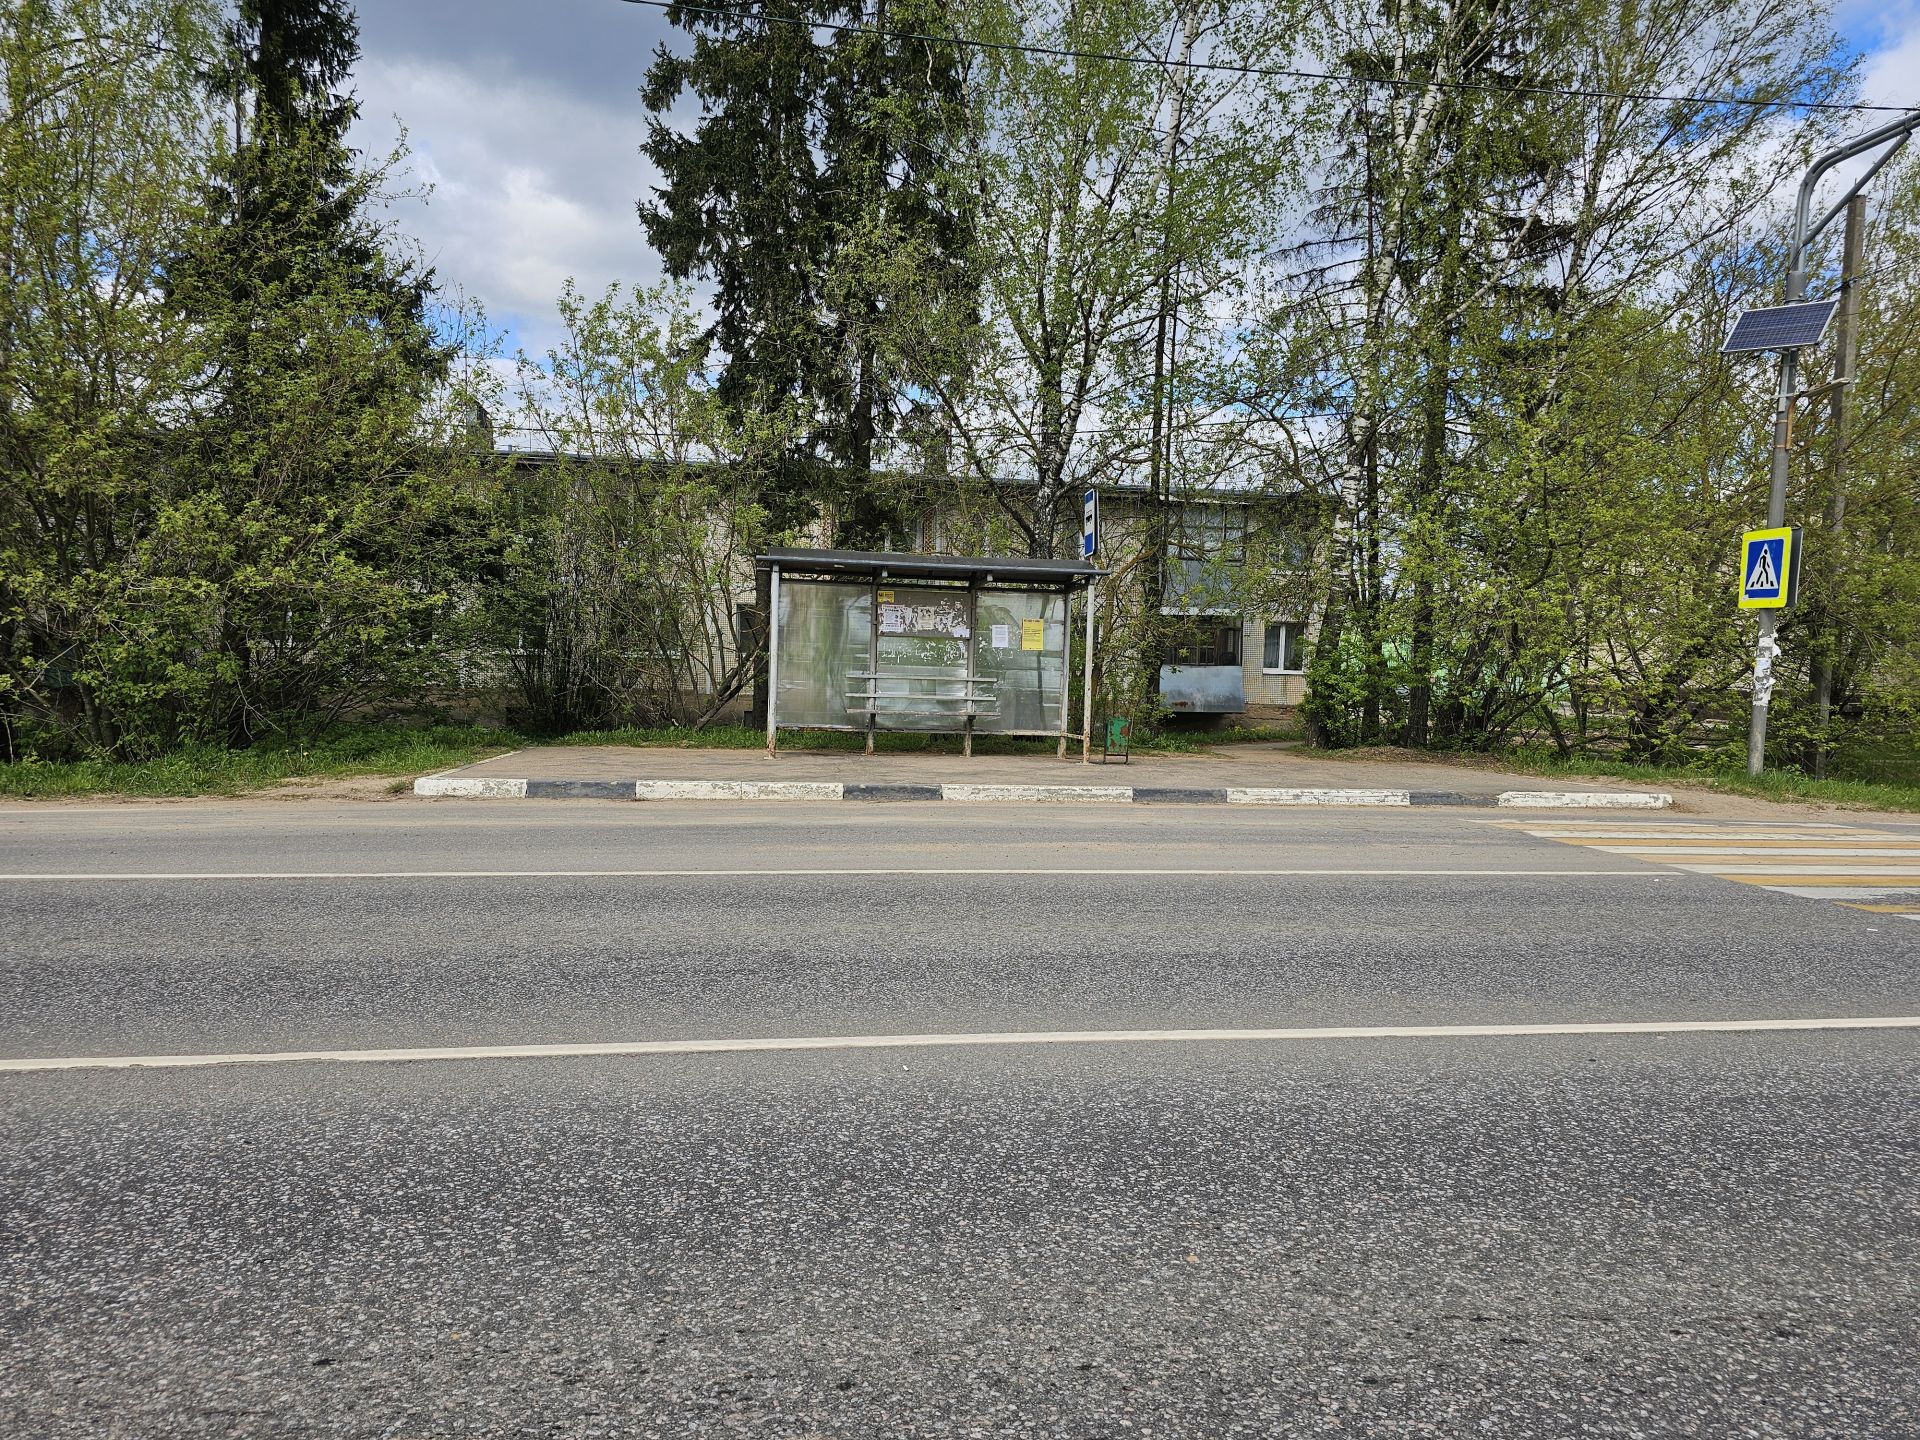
(873, 660)
(1086, 680)
(773, 658)
(972, 641)
(1066, 667)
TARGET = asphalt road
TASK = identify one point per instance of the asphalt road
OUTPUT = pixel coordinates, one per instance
(1519, 1235)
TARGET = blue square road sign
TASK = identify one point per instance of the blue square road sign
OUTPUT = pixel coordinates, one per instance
(1769, 568)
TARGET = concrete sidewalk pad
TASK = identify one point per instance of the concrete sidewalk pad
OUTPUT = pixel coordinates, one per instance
(1249, 775)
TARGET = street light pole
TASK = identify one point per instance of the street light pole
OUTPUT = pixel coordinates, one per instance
(1767, 649)
(1846, 350)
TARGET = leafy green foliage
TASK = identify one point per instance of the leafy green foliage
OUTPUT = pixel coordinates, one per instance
(1541, 461)
(622, 557)
(221, 521)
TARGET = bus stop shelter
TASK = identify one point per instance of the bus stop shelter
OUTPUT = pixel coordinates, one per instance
(953, 644)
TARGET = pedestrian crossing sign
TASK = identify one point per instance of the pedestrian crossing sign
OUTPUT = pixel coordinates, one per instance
(1770, 568)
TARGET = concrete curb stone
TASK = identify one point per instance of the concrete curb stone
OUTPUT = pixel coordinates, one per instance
(1585, 800)
(579, 789)
(452, 785)
(1038, 794)
(471, 787)
(889, 792)
(1318, 797)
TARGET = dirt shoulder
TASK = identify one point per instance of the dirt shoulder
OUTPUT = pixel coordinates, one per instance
(296, 788)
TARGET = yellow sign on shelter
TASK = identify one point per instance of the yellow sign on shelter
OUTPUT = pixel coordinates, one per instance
(1033, 634)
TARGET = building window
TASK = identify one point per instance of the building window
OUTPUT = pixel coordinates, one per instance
(1283, 648)
(1206, 550)
(1215, 533)
(1205, 641)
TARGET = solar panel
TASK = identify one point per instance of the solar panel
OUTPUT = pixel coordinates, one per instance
(1780, 327)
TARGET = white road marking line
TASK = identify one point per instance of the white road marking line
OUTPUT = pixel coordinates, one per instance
(751, 1045)
(837, 870)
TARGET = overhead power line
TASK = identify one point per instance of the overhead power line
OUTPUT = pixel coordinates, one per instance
(1270, 71)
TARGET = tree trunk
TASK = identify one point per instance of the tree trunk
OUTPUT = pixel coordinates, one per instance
(1430, 483)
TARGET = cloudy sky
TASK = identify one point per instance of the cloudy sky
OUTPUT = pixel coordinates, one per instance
(524, 117)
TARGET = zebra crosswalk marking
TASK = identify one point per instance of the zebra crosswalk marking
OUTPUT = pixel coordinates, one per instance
(1860, 868)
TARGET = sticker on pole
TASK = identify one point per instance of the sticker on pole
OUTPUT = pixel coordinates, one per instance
(1770, 568)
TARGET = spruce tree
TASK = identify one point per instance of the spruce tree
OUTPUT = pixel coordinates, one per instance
(813, 196)
(318, 522)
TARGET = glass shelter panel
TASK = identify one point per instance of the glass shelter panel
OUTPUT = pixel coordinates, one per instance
(921, 683)
(825, 631)
(1020, 643)
(902, 651)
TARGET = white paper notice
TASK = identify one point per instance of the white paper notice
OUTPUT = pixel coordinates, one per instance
(1001, 637)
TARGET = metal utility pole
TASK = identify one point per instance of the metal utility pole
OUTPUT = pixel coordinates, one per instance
(1846, 348)
(1767, 650)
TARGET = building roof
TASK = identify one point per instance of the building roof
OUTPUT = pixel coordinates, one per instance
(879, 565)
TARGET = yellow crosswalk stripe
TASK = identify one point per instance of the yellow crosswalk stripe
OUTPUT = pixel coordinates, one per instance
(1819, 878)
(1822, 842)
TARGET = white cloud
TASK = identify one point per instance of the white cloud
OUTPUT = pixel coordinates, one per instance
(530, 184)
(1891, 72)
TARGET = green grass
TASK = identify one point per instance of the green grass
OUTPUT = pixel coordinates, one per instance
(208, 770)
(1785, 785)
(1255, 734)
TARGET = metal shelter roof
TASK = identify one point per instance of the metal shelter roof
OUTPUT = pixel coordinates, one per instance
(886, 565)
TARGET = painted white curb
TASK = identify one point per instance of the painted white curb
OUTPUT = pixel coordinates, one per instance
(488, 787)
(1584, 800)
(471, 787)
(984, 794)
(1318, 797)
(739, 790)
